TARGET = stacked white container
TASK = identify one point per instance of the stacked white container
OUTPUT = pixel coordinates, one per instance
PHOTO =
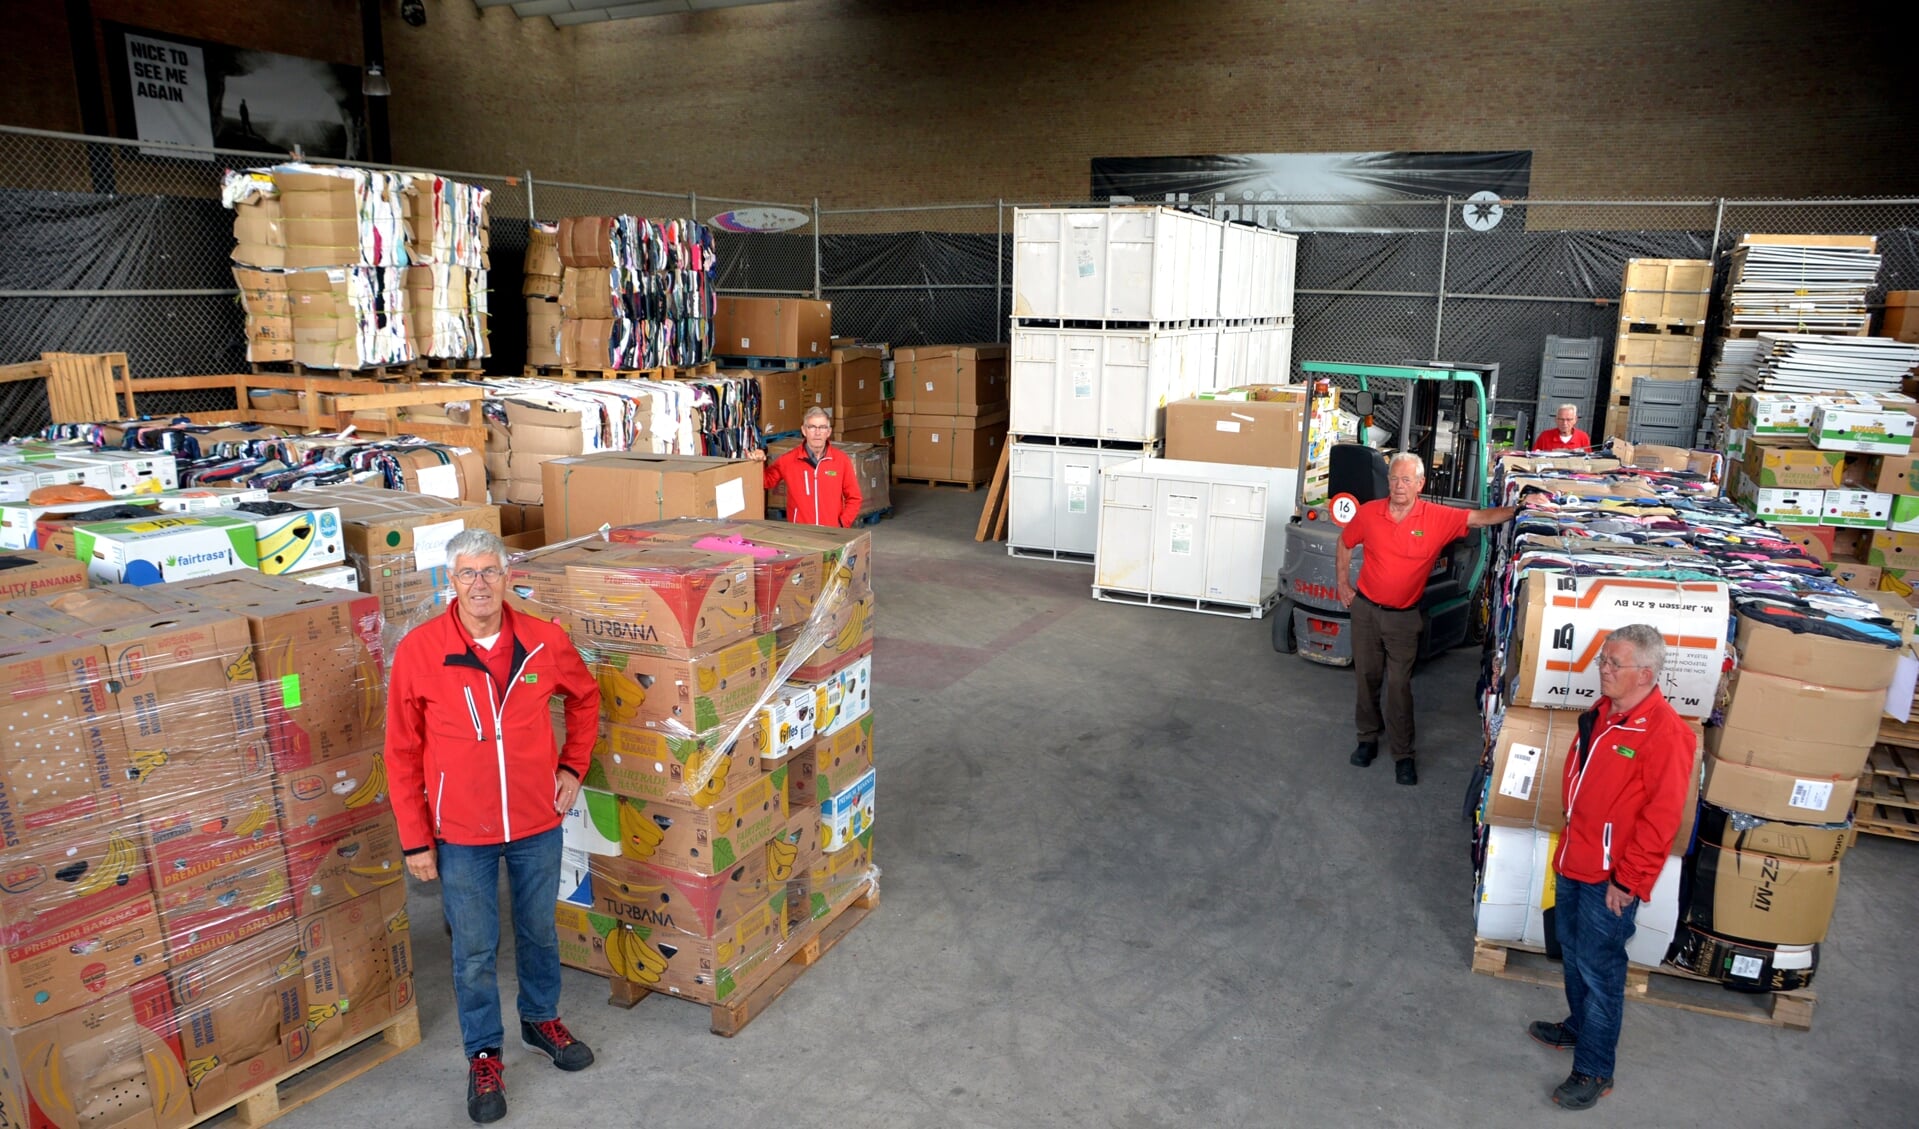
(1118, 312)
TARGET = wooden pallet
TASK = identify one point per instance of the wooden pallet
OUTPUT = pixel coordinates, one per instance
(776, 363)
(1893, 823)
(1743, 332)
(1894, 761)
(80, 386)
(348, 399)
(967, 486)
(334, 1068)
(295, 368)
(1670, 327)
(1667, 987)
(769, 983)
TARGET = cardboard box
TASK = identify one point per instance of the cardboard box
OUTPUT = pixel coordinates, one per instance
(1804, 842)
(705, 840)
(113, 1062)
(359, 965)
(543, 330)
(666, 600)
(830, 765)
(54, 968)
(950, 380)
(586, 293)
(856, 382)
(949, 448)
(1902, 516)
(708, 691)
(298, 541)
(1815, 540)
(811, 561)
(844, 697)
(1767, 734)
(1760, 414)
(1529, 769)
(225, 905)
(57, 689)
(1246, 433)
(336, 868)
(542, 268)
(787, 722)
(587, 344)
(206, 810)
(1766, 649)
(1890, 550)
(628, 487)
(241, 1014)
(1565, 620)
(346, 578)
(1871, 430)
(780, 402)
(672, 901)
(202, 695)
(71, 872)
(1863, 509)
(848, 813)
(705, 970)
(27, 573)
(1901, 318)
(328, 797)
(1781, 506)
(772, 327)
(847, 635)
(839, 876)
(163, 549)
(873, 464)
(586, 241)
(1745, 965)
(1761, 897)
(1790, 797)
(1777, 464)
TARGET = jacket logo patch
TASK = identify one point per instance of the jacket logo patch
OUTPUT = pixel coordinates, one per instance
(831, 473)
(1623, 751)
(530, 676)
(1419, 533)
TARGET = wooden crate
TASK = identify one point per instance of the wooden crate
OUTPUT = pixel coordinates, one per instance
(1667, 987)
(1658, 350)
(1666, 291)
(326, 404)
(80, 386)
(1618, 416)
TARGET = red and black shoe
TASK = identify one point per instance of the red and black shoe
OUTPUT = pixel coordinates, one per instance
(486, 1087)
(553, 1040)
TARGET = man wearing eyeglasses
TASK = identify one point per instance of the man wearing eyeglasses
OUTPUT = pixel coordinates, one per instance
(1625, 787)
(1403, 535)
(478, 782)
(821, 485)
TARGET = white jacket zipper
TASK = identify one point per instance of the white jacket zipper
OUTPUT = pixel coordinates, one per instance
(499, 738)
(473, 712)
(439, 794)
(1605, 840)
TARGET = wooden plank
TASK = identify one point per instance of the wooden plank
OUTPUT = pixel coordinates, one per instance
(991, 514)
(26, 370)
(1664, 986)
(335, 1067)
(1887, 791)
(1868, 242)
(1891, 760)
(435, 395)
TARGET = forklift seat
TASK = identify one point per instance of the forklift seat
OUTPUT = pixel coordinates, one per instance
(1356, 469)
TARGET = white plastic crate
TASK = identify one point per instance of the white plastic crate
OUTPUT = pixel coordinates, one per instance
(1210, 533)
(1254, 354)
(1106, 383)
(1130, 264)
(1256, 269)
(1052, 504)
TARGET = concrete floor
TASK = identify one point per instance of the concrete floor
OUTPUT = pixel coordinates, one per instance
(1130, 880)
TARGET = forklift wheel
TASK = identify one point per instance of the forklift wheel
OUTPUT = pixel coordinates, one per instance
(1283, 640)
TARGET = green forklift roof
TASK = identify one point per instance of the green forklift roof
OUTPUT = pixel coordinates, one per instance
(1389, 372)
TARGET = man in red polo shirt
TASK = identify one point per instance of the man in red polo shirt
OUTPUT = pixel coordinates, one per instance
(1566, 436)
(1403, 535)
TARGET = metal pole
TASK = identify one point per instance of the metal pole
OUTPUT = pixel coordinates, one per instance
(999, 266)
(1718, 224)
(531, 215)
(1445, 246)
(693, 206)
(817, 292)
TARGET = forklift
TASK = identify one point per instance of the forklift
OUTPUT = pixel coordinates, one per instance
(1437, 410)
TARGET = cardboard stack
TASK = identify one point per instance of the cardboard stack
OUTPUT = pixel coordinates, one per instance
(544, 273)
(166, 942)
(1813, 284)
(396, 543)
(1257, 425)
(950, 411)
(730, 801)
(586, 492)
(799, 329)
(1747, 897)
(621, 273)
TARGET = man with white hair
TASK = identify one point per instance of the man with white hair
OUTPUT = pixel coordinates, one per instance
(478, 782)
(1625, 787)
(822, 485)
(1403, 535)
(1566, 436)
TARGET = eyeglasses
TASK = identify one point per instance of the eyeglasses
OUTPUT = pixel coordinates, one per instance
(1607, 662)
(489, 574)
(817, 427)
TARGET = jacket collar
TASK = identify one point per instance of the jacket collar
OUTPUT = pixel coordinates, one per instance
(1637, 716)
(468, 656)
(807, 453)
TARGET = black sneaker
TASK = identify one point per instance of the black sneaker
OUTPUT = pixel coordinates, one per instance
(1552, 1035)
(486, 1087)
(1404, 772)
(1364, 755)
(1581, 1091)
(553, 1040)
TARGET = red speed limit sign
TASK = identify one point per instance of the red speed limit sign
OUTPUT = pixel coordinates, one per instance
(1344, 508)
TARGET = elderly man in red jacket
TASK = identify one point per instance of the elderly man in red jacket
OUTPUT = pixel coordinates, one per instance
(1625, 793)
(822, 486)
(477, 782)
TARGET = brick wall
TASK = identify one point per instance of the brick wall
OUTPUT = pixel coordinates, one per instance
(918, 101)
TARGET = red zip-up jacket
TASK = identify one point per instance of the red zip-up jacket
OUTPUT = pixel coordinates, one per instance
(822, 493)
(469, 760)
(1625, 790)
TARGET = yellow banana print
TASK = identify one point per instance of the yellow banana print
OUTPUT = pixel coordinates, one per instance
(372, 789)
(780, 857)
(320, 1013)
(709, 680)
(198, 1068)
(146, 762)
(632, 958)
(639, 836)
(290, 965)
(242, 668)
(399, 923)
(114, 870)
(708, 793)
(276, 888)
(290, 541)
(255, 820)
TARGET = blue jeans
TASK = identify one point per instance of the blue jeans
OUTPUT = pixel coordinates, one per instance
(470, 889)
(1592, 940)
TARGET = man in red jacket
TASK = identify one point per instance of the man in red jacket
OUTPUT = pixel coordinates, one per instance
(1625, 792)
(476, 782)
(822, 487)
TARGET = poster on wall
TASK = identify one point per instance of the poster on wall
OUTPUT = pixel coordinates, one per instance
(1283, 190)
(190, 92)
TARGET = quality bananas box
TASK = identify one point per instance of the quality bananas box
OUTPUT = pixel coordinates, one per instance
(709, 970)
(344, 865)
(845, 633)
(705, 840)
(116, 1056)
(30, 572)
(698, 905)
(359, 965)
(706, 691)
(830, 764)
(806, 562)
(327, 797)
(651, 764)
(297, 541)
(55, 966)
(224, 905)
(241, 1014)
(317, 655)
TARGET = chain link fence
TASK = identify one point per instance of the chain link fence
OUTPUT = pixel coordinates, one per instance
(123, 246)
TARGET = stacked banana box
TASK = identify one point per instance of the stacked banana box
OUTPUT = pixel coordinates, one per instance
(728, 811)
(202, 876)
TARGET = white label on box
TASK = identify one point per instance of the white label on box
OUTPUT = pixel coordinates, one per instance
(1182, 543)
(1226, 425)
(729, 497)
(1522, 768)
(746, 343)
(1182, 505)
(782, 403)
(929, 386)
(1076, 499)
(1075, 474)
(1813, 795)
(429, 543)
(441, 481)
(1082, 384)
(1748, 968)
(936, 436)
